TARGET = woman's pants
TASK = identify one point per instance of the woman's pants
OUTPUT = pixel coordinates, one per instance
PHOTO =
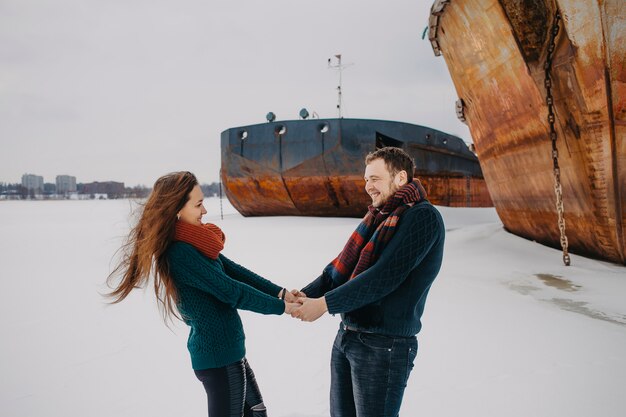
(232, 391)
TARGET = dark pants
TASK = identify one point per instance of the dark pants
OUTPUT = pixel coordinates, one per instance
(232, 391)
(369, 373)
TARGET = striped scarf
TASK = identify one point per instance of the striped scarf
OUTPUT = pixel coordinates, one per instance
(207, 238)
(371, 236)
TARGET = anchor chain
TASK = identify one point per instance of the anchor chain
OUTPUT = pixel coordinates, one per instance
(221, 208)
(558, 190)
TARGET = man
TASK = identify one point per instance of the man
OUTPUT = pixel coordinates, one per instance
(379, 284)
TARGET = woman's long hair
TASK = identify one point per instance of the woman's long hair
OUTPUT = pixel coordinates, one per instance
(144, 252)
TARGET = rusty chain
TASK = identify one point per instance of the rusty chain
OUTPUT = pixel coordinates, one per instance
(558, 190)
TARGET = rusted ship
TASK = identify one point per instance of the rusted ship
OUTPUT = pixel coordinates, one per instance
(315, 167)
(499, 54)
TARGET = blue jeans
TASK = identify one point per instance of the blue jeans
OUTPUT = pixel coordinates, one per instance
(369, 373)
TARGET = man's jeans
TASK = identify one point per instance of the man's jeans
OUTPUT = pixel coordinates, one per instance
(369, 373)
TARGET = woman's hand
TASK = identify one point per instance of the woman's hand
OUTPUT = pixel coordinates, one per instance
(292, 297)
(290, 307)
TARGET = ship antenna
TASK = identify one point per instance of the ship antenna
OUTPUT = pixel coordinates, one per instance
(339, 67)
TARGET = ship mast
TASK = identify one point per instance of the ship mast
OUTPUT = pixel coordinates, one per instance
(339, 67)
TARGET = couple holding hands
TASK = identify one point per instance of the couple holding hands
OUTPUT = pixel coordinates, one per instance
(378, 283)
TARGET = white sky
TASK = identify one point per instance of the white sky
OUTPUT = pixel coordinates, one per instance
(129, 90)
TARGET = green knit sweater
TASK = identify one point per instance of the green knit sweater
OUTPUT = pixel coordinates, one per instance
(210, 292)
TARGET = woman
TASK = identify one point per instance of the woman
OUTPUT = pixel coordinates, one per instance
(192, 278)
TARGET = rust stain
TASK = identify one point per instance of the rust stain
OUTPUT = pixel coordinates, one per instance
(318, 196)
(500, 74)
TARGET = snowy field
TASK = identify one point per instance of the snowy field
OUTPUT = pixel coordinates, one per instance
(508, 330)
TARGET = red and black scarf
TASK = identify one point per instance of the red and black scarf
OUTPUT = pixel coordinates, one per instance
(373, 233)
(207, 238)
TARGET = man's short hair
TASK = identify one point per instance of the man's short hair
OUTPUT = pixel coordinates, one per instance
(395, 159)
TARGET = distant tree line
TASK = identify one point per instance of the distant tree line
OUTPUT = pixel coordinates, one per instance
(49, 191)
(15, 189)
(141, 191)
(211, 190)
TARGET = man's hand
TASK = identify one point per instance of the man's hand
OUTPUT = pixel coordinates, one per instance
(293, 295)
(311, 309)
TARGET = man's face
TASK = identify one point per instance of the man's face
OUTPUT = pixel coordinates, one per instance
(380, 184)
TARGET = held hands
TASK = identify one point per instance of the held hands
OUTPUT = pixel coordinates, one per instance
(300, 307)
(291, 307)
(293, 295)
(291, 299)
(311, 309)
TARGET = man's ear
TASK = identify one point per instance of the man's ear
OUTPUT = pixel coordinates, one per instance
(401, 178)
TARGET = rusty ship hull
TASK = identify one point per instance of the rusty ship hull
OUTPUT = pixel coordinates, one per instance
(315, 167)
(496, 51)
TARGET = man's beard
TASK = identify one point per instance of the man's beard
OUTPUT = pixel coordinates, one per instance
(393, 188)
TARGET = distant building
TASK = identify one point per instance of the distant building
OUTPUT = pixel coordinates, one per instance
(33, 182)
(49, 189)
(110, 188)
(66, 184)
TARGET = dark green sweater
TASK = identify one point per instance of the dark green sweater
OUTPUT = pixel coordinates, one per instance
(210, 292)
(389, 297)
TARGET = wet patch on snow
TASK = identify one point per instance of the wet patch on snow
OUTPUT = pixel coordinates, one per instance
(580, 307)
(558, 282)
(549, 288)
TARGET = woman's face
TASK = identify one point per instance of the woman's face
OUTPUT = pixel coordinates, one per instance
(194, 209)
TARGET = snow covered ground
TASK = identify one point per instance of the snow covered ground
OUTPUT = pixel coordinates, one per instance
(508, 330)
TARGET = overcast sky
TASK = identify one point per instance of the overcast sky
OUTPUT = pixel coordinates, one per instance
(127, 90)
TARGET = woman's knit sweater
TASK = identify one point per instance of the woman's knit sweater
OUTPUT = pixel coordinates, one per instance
(210, 292)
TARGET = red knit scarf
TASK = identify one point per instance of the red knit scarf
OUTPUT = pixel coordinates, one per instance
(373, 233)
(207, 238)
